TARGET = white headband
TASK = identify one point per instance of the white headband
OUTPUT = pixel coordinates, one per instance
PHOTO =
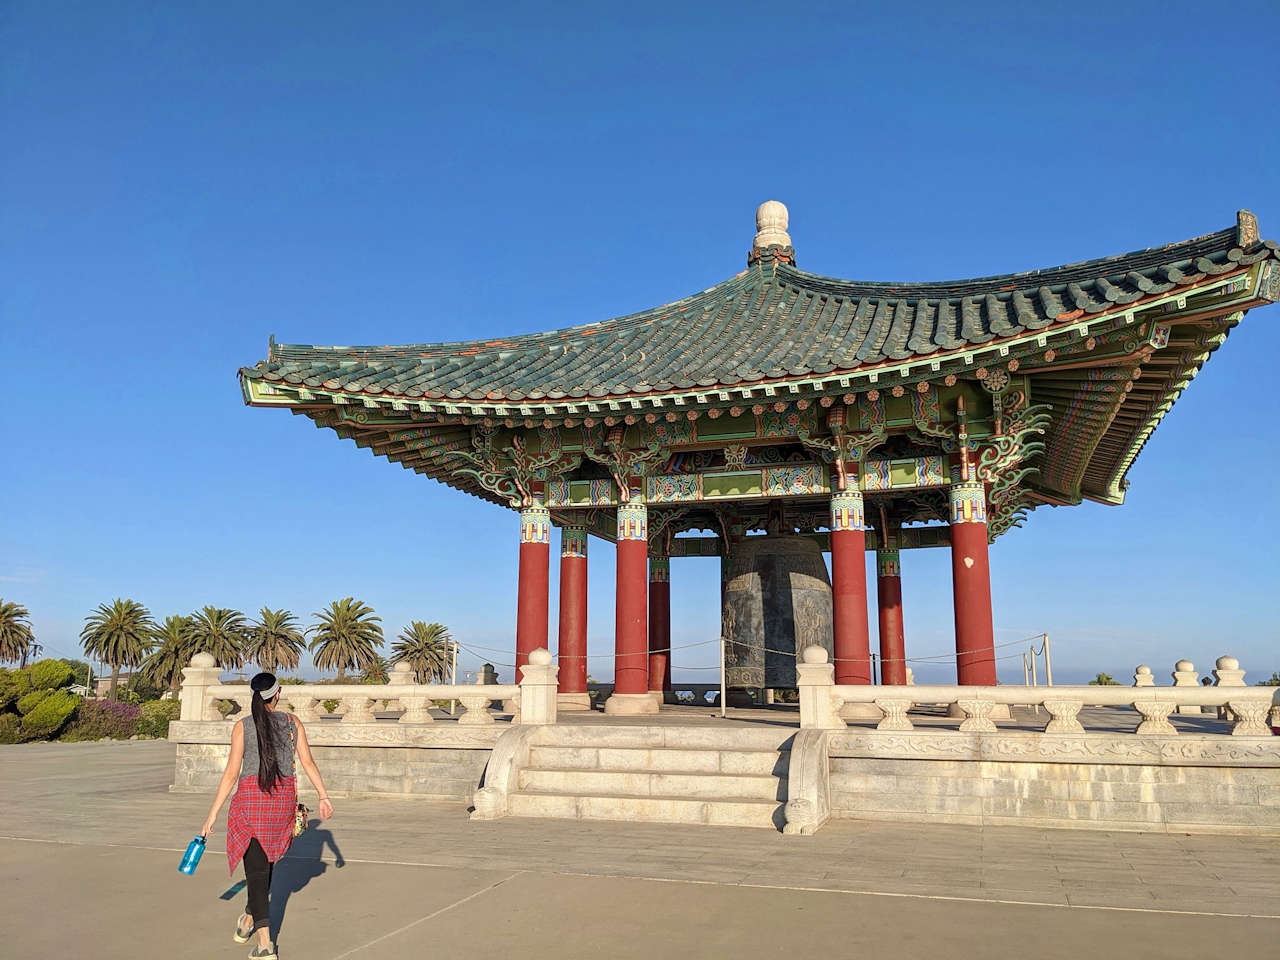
(270, 691)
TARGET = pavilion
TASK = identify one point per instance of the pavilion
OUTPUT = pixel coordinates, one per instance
(867, 416)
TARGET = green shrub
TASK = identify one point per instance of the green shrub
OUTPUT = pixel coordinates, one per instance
(330, 705)
(50, 714)
(13, 685)
(32, 700)
(50, 675)
(155, 717)
(98, 719)
(10, 728)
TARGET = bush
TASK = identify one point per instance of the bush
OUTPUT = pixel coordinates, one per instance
(50, 675)
(13, 685)
(155, 717)
(10, 728)
(50, 714)
(32, 700)
(97, 719)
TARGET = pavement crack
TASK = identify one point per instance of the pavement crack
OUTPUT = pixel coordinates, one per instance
(430, 916)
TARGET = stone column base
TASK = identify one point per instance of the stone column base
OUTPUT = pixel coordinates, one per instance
(573, 701)
(631, 705)
(860, 711)
(999, 711)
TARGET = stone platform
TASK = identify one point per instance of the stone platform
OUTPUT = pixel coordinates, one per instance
(756, 767)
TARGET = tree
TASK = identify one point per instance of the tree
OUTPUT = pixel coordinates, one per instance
(427, 647)
(174, 648)
(221, 633)
(275, 642)
(346, 637)
(16, 638)
(120, 635)
(1104, 680)
(1273, 682)
(377, 671)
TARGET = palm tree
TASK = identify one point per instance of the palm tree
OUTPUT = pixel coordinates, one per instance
(174, 648)
(377, 671)
(16, 639)
(427, 647)
(119, 635)
(275, 641)
(221, 633)
(346, 638)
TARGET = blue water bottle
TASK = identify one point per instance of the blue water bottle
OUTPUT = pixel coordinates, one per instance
(191, 859)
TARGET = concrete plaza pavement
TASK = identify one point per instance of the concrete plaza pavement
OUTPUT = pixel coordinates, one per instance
(90, 839)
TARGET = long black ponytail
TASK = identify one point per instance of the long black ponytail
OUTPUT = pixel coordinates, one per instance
(268, 755)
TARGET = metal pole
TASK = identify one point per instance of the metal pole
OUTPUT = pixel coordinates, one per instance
(1048, 662)
(1034, 680)
(1026, 676)
(723, 695)
(454, 677)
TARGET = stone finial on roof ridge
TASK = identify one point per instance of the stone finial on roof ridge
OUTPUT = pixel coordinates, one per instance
(771, 225)
(1247, 234)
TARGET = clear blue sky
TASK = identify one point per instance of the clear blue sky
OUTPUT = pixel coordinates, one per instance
(182, 180)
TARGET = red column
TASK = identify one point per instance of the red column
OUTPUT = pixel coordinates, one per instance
(659, 624)
(573, 611)
(971, 583)
(631, 640)
(893, 655)
(534, 586)
(849, 588)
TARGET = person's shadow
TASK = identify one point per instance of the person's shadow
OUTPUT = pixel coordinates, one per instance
(302, 864)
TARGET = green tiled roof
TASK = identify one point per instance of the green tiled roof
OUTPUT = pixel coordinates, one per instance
(772, 323)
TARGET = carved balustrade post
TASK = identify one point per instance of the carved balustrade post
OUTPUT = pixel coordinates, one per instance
(196, 680)
(1155, 717)
(246, 705)
(1184, 675)
(895, 714)
(1251, 718)
(538, 688)
(815, 680)
(977, 716)
(416, 710)
(1064, 714)
(475, 708)
(359, 709)
(305, 706)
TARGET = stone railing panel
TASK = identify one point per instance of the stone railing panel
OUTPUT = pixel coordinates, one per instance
(821, 699)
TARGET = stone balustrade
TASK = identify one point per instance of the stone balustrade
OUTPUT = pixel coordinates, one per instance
(821, 699)
(534, 697)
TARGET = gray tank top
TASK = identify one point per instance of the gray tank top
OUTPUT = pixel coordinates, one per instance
(278, 724)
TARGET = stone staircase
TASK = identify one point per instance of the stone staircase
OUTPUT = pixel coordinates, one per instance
(654, 774)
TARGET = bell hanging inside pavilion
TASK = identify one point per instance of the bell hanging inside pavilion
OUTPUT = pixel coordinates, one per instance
(777, 601)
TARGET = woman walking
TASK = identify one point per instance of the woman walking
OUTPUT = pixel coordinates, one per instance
(260, 822)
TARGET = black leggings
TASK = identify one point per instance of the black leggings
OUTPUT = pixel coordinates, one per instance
(257, 875)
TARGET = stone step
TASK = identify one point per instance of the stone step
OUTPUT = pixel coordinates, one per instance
(655, 736)
(661, 760)
(672, 785)
(560, 806)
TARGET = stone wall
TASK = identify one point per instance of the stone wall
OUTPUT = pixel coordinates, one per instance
(428, 761)
(439, 774)
(1174, 784)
